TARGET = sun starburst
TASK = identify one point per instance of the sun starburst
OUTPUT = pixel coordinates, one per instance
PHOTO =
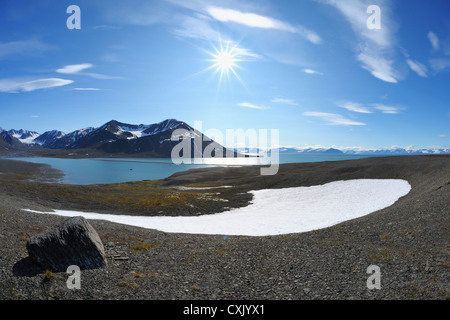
(225, 61)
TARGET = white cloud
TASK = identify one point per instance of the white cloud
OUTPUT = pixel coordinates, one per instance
(442, 136)
(386, 109)
(14, 86)
(252, 106)
(355, 11)
(311, 71)
(418, 68)
(243, 52)
(74, 68)
(374, 46)
(35, 116)
(379, 67)
(195, 28)
(284, 101)
(78, 68)
(258, 21)
(100, 76)
(370, 108)
(440, 64)
(434, 40)
(87, 89)
(22, 48)
(334, 119)
(355, 107)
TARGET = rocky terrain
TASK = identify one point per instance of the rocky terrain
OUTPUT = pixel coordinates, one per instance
(409, 241)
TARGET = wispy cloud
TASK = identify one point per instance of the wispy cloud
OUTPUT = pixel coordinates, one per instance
(434, 40)
(258, 21)
(379, 67)
(442, 136)
(284, 101)
(369, 108)
(198, 27)
(251, 106)
(386, 109)
(22, 48)
(374, 46)
(440, 64)
(74, 68)
(311, 71)
(78, 69)
(355, 107)
(106, 27)
(14, 86)
(333, 119)
(195, 27)
(86, 89)
(418, 68)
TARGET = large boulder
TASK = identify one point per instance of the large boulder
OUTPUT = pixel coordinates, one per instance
(73, 242)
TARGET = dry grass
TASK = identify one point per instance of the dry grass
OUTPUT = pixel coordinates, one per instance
(143, 247)
(48, 276)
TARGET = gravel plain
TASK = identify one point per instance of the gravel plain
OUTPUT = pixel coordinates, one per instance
(408, 241)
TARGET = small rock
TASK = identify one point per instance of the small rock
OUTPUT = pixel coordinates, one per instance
(120, 258)
(73, 242)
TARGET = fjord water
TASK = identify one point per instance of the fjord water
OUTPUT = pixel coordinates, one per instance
(107, 170)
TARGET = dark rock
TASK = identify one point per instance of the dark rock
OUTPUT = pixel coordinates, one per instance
(73, 242)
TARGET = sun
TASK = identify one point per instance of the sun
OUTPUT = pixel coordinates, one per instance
(225, 60)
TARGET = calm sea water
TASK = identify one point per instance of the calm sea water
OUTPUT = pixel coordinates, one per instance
(102, 171)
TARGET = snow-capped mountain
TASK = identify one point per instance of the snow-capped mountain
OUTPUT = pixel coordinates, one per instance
(290, 150)
(9, 140)
(48, 137)
(355, 151)
(60, 140)
(24, 136)
(116, 137)
(119, 137)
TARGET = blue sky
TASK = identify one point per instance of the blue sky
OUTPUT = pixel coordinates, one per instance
(310, 68)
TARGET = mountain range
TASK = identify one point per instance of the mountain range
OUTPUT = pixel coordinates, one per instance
(115, 137)
(355, 151)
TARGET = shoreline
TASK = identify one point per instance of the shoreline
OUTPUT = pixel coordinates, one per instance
(408, 240)
(62, 174)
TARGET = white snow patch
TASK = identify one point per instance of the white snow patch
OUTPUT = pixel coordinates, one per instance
(30, 139)
(136, 134)
(200, 188)
(277, 211)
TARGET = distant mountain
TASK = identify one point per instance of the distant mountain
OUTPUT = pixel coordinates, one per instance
(290, 150)
(59, 140)
(355, 151)
(10, 139)
(398, 151)
(360, 151)
(118, 137)
(49, 137)
(24, 136)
